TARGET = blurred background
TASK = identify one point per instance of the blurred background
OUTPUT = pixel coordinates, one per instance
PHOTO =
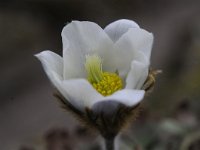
(30, 117)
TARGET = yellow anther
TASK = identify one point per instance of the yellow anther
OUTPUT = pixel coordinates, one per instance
(105, 83)
(110, 83)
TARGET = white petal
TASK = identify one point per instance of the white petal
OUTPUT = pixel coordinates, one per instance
(141, 40)
(51, 62)
(127, 97)
(80, 39)
(53, 66)
(116, 29)
(80, 92)
(107, 108)
(137, 75)
(125, 53)
(58, 83)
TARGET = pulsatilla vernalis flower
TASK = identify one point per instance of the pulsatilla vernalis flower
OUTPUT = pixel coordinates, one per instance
(103, 73)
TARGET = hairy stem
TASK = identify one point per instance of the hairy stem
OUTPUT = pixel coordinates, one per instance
(110, 143)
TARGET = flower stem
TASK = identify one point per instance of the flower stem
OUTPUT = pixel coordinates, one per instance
(110, 143)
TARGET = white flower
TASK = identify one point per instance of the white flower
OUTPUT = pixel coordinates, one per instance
(120, 52)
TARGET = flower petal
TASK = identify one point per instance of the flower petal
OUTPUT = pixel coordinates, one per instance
(125, 53)
(80, 92)
(140, 39)
(137, 75)
(79, 40)
(53, 66)
(106, 107)
(116, 29)
(133, 45)
(127, 97)
(51, 62)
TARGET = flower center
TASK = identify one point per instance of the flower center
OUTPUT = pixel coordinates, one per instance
(105, 83)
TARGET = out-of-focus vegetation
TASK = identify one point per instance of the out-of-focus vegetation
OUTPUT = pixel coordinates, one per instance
(30, 117)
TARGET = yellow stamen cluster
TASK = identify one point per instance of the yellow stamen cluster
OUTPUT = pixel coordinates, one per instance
(110, 83)
(105, 83)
